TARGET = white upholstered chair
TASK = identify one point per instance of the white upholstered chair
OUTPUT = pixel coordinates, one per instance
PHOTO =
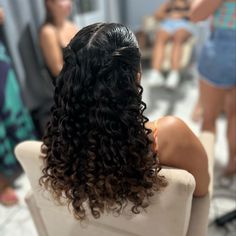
(173, 212)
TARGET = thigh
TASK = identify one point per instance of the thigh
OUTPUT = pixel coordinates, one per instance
(162, 36)
(212, 99)
(230, 101)
(181, 35)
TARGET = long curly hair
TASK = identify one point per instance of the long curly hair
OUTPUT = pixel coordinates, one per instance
(96, 149)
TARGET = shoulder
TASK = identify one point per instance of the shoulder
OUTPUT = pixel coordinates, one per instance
(171, 125)
(173, 133)
(72, 27)
(48, 32)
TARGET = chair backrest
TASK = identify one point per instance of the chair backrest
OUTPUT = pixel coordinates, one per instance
(168, 214)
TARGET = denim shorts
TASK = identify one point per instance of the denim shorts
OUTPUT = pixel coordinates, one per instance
(217, 61)
(172, 25)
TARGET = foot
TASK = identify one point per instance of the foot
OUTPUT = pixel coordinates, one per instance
(8, 197)
(155, 78)
(173, 79)
(231, 167)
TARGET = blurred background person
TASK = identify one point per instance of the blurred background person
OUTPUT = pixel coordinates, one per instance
(56, 33)
(15, 123)
(217, 66)
(176, 27)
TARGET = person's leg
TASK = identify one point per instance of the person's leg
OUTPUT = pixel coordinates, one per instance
(162, 38)
(198, 111)
(8, 196)
(179, 38)
(156, 78)
(230, 108)
(212, 99)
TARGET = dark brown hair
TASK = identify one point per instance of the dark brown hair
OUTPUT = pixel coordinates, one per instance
(49, 17)
(96, 148)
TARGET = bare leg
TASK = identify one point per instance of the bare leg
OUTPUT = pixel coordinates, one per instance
(159, 48)
(230, 108)
(178, 39)
(198, 111)
(212, 102)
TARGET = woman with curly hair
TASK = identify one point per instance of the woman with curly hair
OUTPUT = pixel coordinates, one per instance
(99, 148)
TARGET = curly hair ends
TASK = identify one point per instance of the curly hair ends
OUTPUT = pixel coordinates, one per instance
(96, 149)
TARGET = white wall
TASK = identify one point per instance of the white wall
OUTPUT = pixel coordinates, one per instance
(137, 9)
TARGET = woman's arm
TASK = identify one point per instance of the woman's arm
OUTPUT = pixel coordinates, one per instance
(160, 14)
(179, 147)
(51, 49)
(202, 9)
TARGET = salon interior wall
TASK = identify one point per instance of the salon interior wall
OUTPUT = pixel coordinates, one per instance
(137, 9)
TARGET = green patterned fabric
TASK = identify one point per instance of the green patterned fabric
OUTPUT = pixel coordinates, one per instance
(225, 16)
(15, 122)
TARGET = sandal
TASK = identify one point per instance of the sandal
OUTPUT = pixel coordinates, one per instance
(8, 195)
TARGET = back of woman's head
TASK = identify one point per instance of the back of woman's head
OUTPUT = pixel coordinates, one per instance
(96, 147)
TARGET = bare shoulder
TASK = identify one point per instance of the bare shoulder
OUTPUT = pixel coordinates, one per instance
(176, 138)
(48, 31)
(173, 127)
(179, 147)
(72, 27)
(167, 125)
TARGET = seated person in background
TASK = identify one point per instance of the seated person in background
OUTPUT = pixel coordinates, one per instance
(175, 27)
(15, 123)
(56, 33)
(99, 148)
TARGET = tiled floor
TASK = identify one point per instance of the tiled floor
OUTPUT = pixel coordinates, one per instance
(16, 221)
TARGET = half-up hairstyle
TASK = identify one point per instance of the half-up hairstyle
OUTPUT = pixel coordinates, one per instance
(96, 149)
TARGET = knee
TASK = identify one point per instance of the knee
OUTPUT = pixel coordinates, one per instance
(178, 40)
(231, 110)
(160, 39)
(209, 118)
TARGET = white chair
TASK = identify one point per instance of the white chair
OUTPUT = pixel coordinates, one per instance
(173, 212)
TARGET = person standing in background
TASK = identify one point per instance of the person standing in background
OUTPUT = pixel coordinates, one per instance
(56, 33)
(217, 66)
(15, 123)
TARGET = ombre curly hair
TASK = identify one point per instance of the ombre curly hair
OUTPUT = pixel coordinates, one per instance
(96, 149)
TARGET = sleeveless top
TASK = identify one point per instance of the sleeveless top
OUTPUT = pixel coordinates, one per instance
(225, 16)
